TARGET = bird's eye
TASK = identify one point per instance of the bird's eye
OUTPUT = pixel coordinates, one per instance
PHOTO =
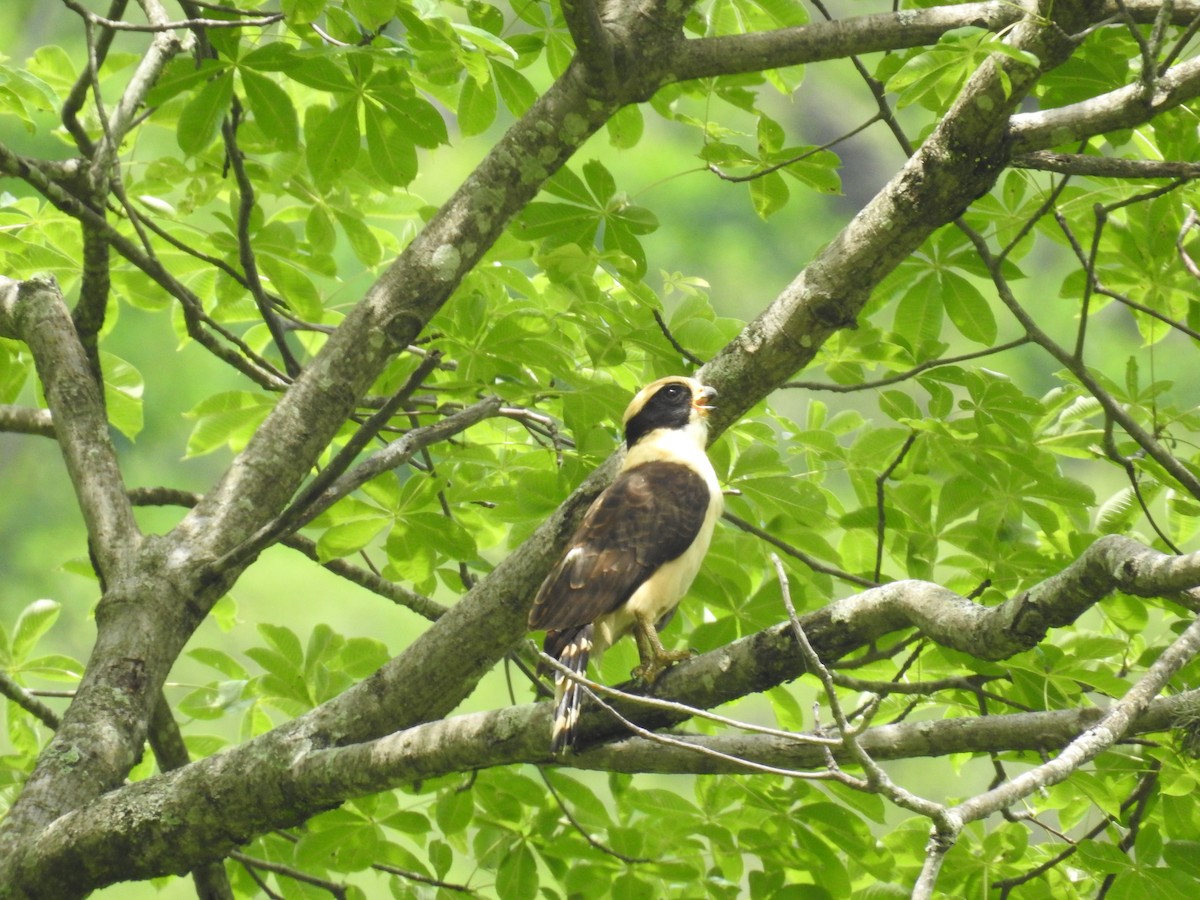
(673, 390)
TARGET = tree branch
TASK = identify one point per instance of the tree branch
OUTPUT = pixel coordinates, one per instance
(244, 789)
(34, 312)
(1126, 107)
(26, 420)
(1105, 166)
(1111, 725)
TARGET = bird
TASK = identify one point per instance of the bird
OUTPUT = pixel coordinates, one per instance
(638, 547)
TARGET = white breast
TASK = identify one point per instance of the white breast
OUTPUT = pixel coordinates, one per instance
(663, 590)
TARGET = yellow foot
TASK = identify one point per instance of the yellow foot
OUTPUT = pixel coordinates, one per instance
(650, 669)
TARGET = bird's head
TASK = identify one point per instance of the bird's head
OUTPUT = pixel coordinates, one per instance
(675, 402)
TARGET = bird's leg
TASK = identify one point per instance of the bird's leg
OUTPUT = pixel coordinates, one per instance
(655, 657)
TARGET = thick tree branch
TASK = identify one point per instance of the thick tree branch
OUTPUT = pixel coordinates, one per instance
(505, 737)
(880, 32)
(34, 312)
(1126, 107)
(734, 54)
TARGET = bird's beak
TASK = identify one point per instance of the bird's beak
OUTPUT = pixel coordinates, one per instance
(701, 402)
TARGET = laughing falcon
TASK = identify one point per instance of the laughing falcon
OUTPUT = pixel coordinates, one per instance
(638, 548)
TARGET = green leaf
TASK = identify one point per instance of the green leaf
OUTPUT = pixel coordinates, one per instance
(392, 154)
(201, 118)
(123, 388)
(182, 75)
(476, 107)
(284, 641)
(55, 667)
(345, 538)
(319, 230)
(454, 810)
(321, 72)
(517, 877)
(272, 109)
(417, 119)
(333, 141)
(361, 656)
(484, 40)
(372, 13)
(919, 314)
(226, 419)
(33, 622)
(562, 221)
(968, 309)
(219, 660)
(365, 245)
(625, 127)
(296, 288)
(599, 181)
(515, 90)
(300, 12)
(769, 193)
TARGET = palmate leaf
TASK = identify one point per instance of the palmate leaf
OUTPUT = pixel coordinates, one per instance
(33, 622)
(226, 419)
(201, 118)
(391, 151)
(967, 308)
(272, 109)
(918, 316)
(415, 117)
(123, 387)
(332, 140)
(476, 107)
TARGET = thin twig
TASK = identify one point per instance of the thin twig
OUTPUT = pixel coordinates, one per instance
(811, 151)
(246, 205)
(678, 347)
(118, 25)
(811, 561)
(31, 704)
(908, 373)
(681, 709)
(881, 514)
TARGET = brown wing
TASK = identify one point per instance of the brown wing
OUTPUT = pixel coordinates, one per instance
(648, 516)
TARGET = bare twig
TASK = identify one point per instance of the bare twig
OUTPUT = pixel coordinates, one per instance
(908, 373)
(394, 454)
(880, 511)
(1105, 166)
(246, 204)
(811, 151)
(154, 27)
(678, 347)
(811, 561)
(372, 581)
(264, 865)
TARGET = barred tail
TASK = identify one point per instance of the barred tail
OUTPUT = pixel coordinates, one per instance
(572, 647)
